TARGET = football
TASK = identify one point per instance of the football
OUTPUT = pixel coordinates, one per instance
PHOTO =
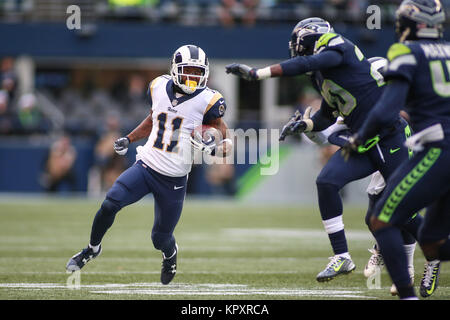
(206, 133)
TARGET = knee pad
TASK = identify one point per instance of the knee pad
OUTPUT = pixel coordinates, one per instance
(162, 241)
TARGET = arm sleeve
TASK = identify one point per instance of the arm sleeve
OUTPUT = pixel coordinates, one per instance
(323, 118)
(303, 64)
(386, 110)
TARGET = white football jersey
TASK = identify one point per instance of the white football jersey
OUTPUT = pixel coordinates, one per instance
(168, 149)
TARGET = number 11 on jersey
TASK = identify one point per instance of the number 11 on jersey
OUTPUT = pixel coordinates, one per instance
(176, 124)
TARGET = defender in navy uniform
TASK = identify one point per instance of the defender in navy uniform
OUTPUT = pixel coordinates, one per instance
(179, 103)
(350, 87)
(418, 76)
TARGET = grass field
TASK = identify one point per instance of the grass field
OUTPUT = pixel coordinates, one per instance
(227, 251)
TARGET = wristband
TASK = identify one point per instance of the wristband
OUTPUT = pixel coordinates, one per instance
(263, 73)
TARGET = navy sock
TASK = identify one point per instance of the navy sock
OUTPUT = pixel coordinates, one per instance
(390, 242)
(338, 242)
(103, 221)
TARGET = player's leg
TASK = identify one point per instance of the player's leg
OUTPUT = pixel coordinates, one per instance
(388, 155)
(408, 190)
(336, 174)
(376, 262)
(169, 195)
(129, 187)
(433, 238)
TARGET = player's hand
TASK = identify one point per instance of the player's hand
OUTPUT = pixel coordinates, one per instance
(242, 70)
(121, 145)
(294, 125)
(206, 146)
(351, 146)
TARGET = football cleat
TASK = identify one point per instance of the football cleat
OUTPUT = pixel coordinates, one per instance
(81, 258)
(394, 290)
(169, 267)
(338, 265)
(430, 278)
(375, 263)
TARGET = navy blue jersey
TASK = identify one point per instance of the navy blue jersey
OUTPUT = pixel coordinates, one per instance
(425, 65)
(353, 87)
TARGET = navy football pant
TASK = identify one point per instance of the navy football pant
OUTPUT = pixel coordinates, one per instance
(410, 231)
(420, 182)
(132, 185)
(385, 157)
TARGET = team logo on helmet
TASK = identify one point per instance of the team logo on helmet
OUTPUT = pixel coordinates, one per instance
(305, 34)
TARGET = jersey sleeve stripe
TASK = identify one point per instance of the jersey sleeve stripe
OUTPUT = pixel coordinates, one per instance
(402, 60)
(152, 85)
(396, 50)
(213, 101)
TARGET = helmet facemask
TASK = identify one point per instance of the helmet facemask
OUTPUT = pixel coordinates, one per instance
(190, 78)
(190, 72)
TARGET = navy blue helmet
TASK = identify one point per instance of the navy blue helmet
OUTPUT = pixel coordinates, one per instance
(305, 35)
(420, 19)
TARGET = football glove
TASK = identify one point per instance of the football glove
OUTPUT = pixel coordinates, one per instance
(242, 70)
(297, 124)
(121, 145)
(206, 146)
(351, 146)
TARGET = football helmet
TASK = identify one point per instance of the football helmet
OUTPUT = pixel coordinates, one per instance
(420, 19)
(189, 56)
(305, 35)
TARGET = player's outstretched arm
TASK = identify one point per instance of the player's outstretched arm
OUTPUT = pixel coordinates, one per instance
(143, 130)
(383, 114)
(387, 109)
(292, 67)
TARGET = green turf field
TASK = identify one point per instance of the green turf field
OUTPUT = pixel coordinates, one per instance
(227, 251)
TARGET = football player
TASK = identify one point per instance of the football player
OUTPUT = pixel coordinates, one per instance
(338, 134)
(350, 87)
(417, 73)
(179, 103)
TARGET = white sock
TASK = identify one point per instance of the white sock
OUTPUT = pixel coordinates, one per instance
(94, 248)
(409, 249)
(345, 255)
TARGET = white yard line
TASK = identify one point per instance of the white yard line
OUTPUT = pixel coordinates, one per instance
(185, 289)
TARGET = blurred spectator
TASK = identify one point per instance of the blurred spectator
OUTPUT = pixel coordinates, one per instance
(8, 77)
(241, 11)
(135, 106)
(108, 164)
(59, 172)
(308, 97)
(6, 116)
(30, 118)
(221, 178)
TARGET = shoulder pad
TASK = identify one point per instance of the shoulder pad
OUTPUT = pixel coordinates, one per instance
(398, 49)
(328, 40)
